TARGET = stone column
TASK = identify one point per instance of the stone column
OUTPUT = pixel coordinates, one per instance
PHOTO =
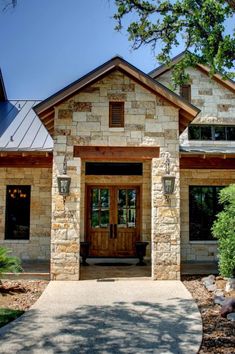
(165, 222)
(65, 230)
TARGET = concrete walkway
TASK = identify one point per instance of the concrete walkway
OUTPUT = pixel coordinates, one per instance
(111, 316)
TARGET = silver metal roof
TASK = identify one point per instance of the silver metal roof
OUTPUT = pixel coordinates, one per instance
(21, 129)
(208, 149)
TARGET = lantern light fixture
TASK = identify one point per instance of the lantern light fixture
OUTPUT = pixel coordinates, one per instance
(64, 181)
(168, 184)
(168, 181)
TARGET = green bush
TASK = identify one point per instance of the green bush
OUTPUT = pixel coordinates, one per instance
(8, 315)
(223, 230)
(8, 263)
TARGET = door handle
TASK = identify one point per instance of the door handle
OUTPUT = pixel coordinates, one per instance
(115, 230)
(111, 231)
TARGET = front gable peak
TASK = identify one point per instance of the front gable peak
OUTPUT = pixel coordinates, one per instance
(45, 109)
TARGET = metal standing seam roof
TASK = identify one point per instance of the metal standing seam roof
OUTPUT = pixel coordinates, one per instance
(207, 149)
(21, 129)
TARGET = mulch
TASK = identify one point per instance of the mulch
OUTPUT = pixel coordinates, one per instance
(20, 294)
(218, 332)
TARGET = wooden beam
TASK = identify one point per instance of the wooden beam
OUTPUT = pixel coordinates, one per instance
(207, 162)
(27, 160)
(115, 153)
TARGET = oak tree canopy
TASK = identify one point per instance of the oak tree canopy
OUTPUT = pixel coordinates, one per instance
(165, 24)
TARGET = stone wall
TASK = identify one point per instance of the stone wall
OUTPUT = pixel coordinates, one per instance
(199, 251)
(38, 246)
(217, 104)
(84, 120)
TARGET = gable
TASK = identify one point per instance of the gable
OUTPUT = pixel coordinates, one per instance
(215, 100)
(144, 113)
(157, 73)
(45, 109)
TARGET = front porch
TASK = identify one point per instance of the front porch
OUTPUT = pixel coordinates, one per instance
(41, 270)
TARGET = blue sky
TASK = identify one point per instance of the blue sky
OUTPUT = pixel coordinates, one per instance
(47, 44)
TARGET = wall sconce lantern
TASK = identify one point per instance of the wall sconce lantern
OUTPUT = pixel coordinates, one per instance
(64, 181)
(168, 181)
(168, 184)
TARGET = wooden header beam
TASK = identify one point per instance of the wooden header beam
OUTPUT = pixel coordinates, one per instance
(207, 162)
(115, 153)
(25, 159)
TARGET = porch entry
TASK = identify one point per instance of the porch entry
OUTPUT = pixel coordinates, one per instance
(113, 220)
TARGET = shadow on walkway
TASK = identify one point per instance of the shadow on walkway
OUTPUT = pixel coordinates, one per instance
(166, 325)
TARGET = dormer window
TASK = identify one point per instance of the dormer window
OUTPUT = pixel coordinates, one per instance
(116, 114)
(185, 92)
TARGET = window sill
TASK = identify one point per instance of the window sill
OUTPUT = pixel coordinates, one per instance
(112, 129)
(203, 241)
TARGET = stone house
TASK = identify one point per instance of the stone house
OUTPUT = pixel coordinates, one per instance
(119, 132)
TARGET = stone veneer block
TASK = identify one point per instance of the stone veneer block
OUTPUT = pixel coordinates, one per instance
(65, 114)
(82, 107)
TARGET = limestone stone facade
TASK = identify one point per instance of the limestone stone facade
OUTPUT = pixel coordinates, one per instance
(78, 117)
(38, 245)
(217, 105)
(199, 251)
(83, 120)
(216, 102)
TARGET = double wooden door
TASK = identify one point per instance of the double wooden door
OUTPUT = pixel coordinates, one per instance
(113, 220)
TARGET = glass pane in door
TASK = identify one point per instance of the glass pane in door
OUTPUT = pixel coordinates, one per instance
(100, 207)
(127, 208)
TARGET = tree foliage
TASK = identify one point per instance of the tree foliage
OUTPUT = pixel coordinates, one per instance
(9, 4)
(165, 24)
(224, 230)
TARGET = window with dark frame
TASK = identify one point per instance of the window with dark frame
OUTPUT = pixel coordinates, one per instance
(185, 92)
(203, 208)
(114, 168)
(17, 221)
(116, 114)
(211, 132)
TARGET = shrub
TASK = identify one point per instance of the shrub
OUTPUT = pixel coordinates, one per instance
(223, 230)
(8, 263)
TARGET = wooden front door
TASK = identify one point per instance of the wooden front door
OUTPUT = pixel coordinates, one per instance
(113, 220)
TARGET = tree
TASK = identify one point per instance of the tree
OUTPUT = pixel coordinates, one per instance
(224, 230)
(9, 3)
(199, 24)
(8, 263)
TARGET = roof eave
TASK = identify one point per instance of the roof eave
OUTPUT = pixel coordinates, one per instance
(3, 94)
(163, 68)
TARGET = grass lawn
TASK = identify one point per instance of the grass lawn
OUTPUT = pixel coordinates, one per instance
(8, 315)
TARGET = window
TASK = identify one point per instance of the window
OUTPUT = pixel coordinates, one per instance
(116, 114)
(17, 212)
(211, 132)
(203, 208)
(114, 168)
(185, 92)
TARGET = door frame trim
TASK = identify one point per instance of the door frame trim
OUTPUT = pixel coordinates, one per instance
(117, 185)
